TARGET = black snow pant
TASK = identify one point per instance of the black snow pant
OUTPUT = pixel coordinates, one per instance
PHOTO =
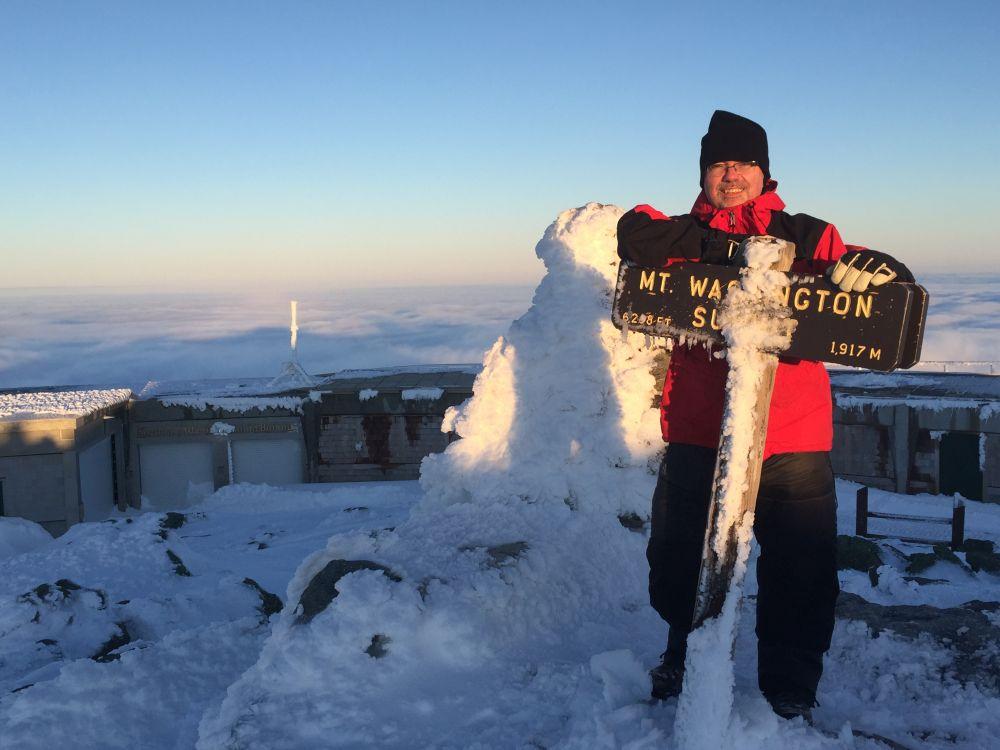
(796, 528)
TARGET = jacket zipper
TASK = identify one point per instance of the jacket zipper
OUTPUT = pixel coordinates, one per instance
(732, 230)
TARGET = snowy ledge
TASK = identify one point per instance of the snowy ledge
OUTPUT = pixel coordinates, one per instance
(233, 403)
(48, 404)
(422, 394)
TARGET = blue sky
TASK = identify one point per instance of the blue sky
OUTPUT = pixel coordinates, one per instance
(336, 144)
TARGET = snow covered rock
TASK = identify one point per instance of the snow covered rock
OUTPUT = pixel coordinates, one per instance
(966, 630)
(19, 535)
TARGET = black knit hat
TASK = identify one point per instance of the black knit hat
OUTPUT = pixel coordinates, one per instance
(733, 138)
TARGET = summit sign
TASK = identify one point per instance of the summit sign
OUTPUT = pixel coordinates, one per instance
(879, 329)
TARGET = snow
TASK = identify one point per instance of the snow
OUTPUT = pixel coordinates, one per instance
(58, 403)
(233, 403)
(18, 535)
(421, 394)
(292, 376)
(378, 372)
(511, 609)
(848, 401)
(222, 429)
(367, 394)
(192, 636)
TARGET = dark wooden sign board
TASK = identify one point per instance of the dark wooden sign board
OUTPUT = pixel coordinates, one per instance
(879, 329)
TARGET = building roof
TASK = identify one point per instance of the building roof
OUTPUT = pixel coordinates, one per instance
(401, 378)
(941, 389)
(57, 403)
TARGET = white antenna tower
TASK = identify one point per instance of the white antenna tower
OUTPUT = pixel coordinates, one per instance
(295, 330)
(292, 375)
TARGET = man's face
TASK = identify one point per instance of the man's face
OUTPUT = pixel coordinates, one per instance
(730, 183)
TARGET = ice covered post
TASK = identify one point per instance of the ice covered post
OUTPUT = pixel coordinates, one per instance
(756, 325)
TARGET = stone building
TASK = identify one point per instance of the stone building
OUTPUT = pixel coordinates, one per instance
(377, 425)
(919, 432)
(63, 454)
(190, 438)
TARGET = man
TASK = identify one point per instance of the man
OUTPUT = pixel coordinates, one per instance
(795, 523)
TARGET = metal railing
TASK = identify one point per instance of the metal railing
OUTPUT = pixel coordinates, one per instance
(956, 523)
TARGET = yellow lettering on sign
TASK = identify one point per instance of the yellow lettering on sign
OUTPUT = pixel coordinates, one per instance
(875, 353)
(716, 292)
(801, 300)
(698, 286)
(699, 316)
(864, 306)
(841, 303)
(715, 325)
(785, 291)
(822, 294)
(646, 280)
(663, 281)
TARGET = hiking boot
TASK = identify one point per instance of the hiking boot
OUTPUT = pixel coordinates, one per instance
(668, 677)
(789, 705)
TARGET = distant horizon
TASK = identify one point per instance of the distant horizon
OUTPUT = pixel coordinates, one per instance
(129, 337)
(207, 287)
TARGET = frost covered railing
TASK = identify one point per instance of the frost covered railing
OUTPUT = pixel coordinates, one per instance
(956, 522)
(972, 367)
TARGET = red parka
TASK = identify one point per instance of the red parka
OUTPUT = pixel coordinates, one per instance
(801, 413)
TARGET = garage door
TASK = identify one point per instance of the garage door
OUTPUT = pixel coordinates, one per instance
(97, 489)
(175, 474)
(268, 461)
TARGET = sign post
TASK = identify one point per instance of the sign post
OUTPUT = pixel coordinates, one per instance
(880, 329)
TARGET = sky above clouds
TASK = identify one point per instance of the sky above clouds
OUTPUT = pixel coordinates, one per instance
(333, 144)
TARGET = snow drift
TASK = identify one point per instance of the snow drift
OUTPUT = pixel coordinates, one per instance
(513, 571)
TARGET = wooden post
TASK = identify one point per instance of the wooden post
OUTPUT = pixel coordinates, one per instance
(958, 525)
(716, 575)
(861, 513)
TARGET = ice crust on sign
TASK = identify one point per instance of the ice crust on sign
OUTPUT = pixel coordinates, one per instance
(753, 322)
(514, 569)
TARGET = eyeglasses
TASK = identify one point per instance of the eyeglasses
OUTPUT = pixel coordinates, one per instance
(740, 167)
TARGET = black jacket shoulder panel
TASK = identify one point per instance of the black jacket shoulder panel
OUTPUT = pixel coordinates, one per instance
(802, 229)
(651, 242)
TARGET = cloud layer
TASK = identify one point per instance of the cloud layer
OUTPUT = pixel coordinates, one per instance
(128, 338)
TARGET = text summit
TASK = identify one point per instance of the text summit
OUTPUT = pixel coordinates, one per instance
(804, 298)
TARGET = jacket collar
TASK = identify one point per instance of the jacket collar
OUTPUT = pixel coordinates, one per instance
(752, 216)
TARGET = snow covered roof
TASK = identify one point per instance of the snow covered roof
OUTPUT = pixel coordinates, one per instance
(402, 378)
(220, 387)
(915, 385)
(235, 395)
(57, 402)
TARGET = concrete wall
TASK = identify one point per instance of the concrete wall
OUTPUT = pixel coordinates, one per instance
(34, 488)
(382, 438)
(39, 464)
(896, 446)
(375, 447)
(991, 471)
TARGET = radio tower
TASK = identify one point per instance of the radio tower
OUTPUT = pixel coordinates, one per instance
(292, 375)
